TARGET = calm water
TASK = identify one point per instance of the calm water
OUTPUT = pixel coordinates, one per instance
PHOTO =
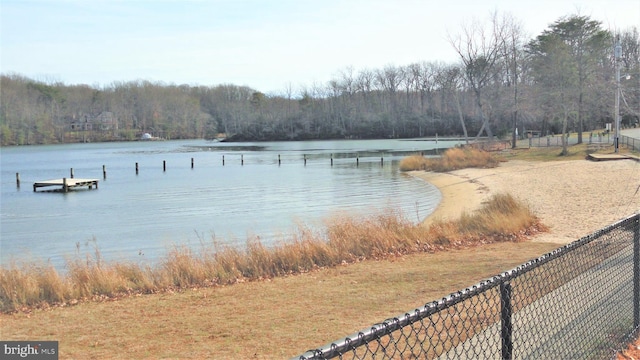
(138, 217)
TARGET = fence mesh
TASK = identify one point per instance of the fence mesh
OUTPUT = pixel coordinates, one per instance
(580, 301)
(629, 142)
(593, 141)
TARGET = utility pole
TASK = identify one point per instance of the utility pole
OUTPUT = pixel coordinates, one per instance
(617, 52)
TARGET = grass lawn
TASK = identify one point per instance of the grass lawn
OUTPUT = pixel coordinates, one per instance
(273, 319)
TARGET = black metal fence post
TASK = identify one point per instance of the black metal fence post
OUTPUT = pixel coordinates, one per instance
(636, 273)
(505, 319)
(541, 320)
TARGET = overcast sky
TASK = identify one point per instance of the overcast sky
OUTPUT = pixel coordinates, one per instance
(265, 44)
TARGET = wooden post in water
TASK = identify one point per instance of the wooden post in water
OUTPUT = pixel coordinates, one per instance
(71, 173)
(104, 172)
(136, 168)
(241, 159)
(381, 161)
(305, 159)
(192, 163)
(331, 159)
(65, 187)
(357, 160)
(164, 165)
(18, 179)
(278, 159)
(222, 160)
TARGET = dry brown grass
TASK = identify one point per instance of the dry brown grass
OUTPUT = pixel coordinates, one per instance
(345, 239)
(413, 162)
(501, 216)
(452, 159)
(28, 284)
(631, 352)
(271, 319)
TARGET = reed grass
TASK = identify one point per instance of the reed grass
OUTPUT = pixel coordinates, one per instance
(413, 162)
(344, 239)
(452, 159)
(502, 216)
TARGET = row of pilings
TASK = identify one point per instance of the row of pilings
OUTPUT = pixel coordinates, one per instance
(164, 165)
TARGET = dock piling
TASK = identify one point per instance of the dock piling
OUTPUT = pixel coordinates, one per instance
(71, 173)
(164, 165)
(192, 163)
(241, 159)
(222, 160)
(331, 159)
(104, 172)
(136, 168)
(18, 179)
(278, 159)
(305, 159)
(65, 187)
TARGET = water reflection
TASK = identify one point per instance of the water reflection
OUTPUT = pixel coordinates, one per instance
(147, 212)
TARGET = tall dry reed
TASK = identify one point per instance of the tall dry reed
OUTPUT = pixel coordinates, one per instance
(452, 159)
(344, 239)
(30, 285)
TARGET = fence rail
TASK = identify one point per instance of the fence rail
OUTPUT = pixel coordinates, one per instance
(600, 139)
(581, 301)
(631, 143)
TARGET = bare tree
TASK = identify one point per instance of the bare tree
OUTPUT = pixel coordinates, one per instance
(479, 51)
(513, 64)
(450, 81)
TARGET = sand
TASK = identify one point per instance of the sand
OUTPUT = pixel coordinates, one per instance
(573, 198)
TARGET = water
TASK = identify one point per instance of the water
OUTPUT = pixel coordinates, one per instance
(138, 217)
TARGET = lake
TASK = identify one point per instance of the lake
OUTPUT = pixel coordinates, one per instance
(262, 189)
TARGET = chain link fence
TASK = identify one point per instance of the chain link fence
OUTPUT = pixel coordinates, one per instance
(629, 142)
(580, 301)
(601, 140)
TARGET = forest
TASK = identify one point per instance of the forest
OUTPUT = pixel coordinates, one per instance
(503, 84)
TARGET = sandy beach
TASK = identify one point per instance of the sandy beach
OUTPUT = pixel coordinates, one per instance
(574, 198)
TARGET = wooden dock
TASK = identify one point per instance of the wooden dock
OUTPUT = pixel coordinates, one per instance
(66, 184)
(608, 157)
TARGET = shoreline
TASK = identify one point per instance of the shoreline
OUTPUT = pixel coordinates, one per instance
(573, 197)
(459, 195)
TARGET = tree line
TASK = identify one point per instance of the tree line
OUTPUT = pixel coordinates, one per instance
(504, 84)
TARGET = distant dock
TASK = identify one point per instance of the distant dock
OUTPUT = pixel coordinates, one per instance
(608, 157)
(66, 184)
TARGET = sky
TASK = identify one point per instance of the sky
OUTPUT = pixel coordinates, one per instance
(268, 45)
